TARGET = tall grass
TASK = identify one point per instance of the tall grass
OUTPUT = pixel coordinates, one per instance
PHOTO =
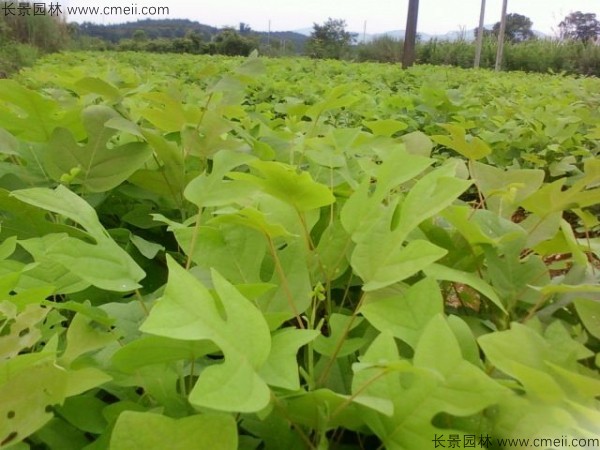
(381, 49)
(25, 35)
(538, 55)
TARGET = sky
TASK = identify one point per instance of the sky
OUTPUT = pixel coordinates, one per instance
(435, 16)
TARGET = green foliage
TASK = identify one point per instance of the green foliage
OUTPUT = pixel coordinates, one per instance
(381, 49)
(534, 55)
(282, 254)
(14, 56)
(330, 40)
(44, 30)
(137, 430)
(227, 42)
(24, 35)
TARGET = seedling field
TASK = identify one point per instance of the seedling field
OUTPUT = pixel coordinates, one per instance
(221, 253)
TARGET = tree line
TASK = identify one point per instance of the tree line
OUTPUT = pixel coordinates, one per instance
(185, 36)
(331, 40)
(576, 50)
(23, 37)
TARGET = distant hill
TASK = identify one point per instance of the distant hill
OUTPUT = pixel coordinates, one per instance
(165, 28)
(452, 36)
(298, 40)
(177, 28)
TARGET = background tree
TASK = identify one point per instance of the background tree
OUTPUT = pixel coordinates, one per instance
(244, 28)
(330, 40)
(139, 36)
(518, 28)
(580, 27)
(230, 42)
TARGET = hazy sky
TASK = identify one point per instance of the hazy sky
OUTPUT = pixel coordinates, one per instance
(435, 16)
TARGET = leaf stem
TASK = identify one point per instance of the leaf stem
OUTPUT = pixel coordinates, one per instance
(302, 434)
(188, 263)
(534, 309)
(359, 391)
(140, 299)
(340, 342)
(284, 281)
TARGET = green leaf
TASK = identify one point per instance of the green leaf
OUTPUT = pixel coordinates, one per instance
(212, 190)
(439, 272)
(255, 219)
(282, 181)
(58, 433)
(338, 97)
(21, 330)
(98, 166)
(84, 337)
(440, 381)
(171, 175)
(252, 66)
(28, 390)
(146, 248)
(103, 264)
(468, 146)
(361, 209)
(148, 431)
(66, 203)
(150, 350)
(430, 195)
(525, 355)
(281, 368)
(188, 311)
(167, 113)
(235, 252)
(589, 313)
(338, 343)
(28, 114)
(323, 409)
(334, 252)
(553, 197)
(84, 412)
(82, 380)
(274, 431)
(418, 143)
(385, 127)
(9, 145)
(293, 285)
(8, 247)
(26, 221)
(99, 86)
(505, 189)
(383, 262)
(404, 315)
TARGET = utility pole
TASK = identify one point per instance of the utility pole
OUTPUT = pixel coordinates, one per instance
(365, 32)
(410, 37)
(480, 35)
(501, 33)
